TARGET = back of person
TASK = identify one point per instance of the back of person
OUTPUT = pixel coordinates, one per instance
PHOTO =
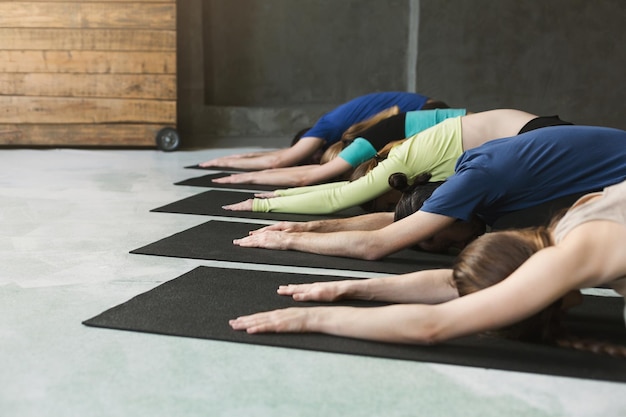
(331, 125)
(515, 173)
(500, 123)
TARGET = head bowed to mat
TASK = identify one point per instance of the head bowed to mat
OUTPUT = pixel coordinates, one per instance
(200, 303)
(213, 241)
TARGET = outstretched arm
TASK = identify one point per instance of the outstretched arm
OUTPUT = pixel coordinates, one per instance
(370, 244)
(588, 256)
(428, 286)
(291, 176)
(327, 198)
(303, 149)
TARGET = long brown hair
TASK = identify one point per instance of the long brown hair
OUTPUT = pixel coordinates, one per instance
(493, 257)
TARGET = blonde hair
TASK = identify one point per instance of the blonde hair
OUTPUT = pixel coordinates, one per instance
(332, 152)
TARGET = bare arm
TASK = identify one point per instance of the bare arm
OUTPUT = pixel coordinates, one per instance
(428, 286)
(304, 148)
(589, 255)
(291, 176)
(371, 221)
(368, 244)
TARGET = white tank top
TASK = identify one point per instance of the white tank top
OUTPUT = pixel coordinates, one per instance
(612, 206)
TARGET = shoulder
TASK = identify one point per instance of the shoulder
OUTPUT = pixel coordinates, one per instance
(595, 251)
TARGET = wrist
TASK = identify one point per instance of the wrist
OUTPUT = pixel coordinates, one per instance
(347, 289)
(313, 226)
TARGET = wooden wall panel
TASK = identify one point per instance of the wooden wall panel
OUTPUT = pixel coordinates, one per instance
(122, 134)
(88, 15)
(87, 39)
(87, 73)
(102, 62)
(148, 86)
(84, 110)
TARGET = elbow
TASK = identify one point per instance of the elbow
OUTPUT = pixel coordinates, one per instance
(372, 252)
(276, 163)
(301, 181)
(430, 326)
(430, 336)
(371, 256)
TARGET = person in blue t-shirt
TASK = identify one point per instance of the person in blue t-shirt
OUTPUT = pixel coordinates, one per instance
(327, 130)
(490, 181)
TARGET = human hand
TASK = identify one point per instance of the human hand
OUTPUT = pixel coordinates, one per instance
(283, 227)
(234, 179)
(317, 291)
(242, 206)
(223, 161)
(287, 320)
(267, 240)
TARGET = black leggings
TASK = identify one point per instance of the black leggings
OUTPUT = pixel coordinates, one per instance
(543, 121)
(387, 130)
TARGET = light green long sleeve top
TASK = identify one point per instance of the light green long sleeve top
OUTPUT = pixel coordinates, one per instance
(434, 150)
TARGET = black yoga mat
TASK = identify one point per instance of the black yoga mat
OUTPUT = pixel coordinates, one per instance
(213, 241)
(215, 168)
(200, 303)
(209, 203)
(207, 181)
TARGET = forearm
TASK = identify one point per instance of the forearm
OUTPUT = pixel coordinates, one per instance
(370, 221)
(284, 177)
(397, 323)
(310, 188)
(428, 287)
(326, 199)
(352, 244)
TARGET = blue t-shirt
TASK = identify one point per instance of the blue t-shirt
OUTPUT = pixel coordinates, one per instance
(515, 173)
(331, 125)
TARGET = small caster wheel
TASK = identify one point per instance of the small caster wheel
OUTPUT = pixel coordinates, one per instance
(167, 139)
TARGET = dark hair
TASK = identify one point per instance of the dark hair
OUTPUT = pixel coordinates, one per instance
(299, 135)
(414, 195)
(492, 258)
(365, 167)
(436, 104)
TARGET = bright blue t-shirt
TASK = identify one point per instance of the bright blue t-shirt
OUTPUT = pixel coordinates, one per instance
(331, 125)
(510, 174)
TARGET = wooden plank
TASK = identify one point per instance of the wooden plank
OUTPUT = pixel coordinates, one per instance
(85, 110)
(88, 39)
(90, 62)
(99, 1)
(161, 87)
(130, 15)
(79, 135)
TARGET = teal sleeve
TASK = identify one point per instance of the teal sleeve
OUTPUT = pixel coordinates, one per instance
(418, 121)
(359, 151)
(349, 194)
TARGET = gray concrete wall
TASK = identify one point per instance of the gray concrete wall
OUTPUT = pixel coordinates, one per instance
(565, 57)
(263, 69)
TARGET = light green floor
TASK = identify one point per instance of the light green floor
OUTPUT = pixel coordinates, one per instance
(68, 219)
